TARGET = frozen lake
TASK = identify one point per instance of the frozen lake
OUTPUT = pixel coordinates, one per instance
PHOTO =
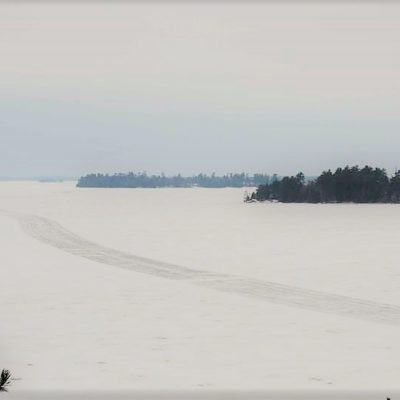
(186, 289)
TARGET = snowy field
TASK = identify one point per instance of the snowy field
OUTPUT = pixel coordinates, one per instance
(191, 289)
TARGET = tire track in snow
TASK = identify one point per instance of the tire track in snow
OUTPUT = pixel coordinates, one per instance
(53, 234)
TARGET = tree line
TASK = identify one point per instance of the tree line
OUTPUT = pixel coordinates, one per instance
(349, 184)
(143, 180)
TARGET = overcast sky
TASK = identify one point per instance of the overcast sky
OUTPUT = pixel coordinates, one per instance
(169, 87)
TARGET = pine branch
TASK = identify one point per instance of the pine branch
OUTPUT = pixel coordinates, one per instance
(5, 380)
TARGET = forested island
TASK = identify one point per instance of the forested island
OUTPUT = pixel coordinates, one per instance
(142, 180)
(349, 184)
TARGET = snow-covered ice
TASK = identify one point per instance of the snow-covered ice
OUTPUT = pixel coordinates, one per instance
(193, 289)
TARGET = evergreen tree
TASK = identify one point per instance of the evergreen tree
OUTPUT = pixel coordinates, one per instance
(348, 184)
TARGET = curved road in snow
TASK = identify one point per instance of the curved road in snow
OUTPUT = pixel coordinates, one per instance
(53, 234)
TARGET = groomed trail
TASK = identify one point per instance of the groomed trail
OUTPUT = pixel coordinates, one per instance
(52, 233)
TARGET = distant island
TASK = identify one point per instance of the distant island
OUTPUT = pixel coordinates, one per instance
(142, 180)
(349, 184)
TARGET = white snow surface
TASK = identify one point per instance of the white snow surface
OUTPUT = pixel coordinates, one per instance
(186, 289)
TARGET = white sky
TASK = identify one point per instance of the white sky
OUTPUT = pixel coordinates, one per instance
(173, 87)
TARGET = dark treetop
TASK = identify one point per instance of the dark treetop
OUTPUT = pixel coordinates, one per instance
(349, 184)
(135, 180)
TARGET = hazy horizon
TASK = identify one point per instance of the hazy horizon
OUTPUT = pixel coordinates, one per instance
(189, 88)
